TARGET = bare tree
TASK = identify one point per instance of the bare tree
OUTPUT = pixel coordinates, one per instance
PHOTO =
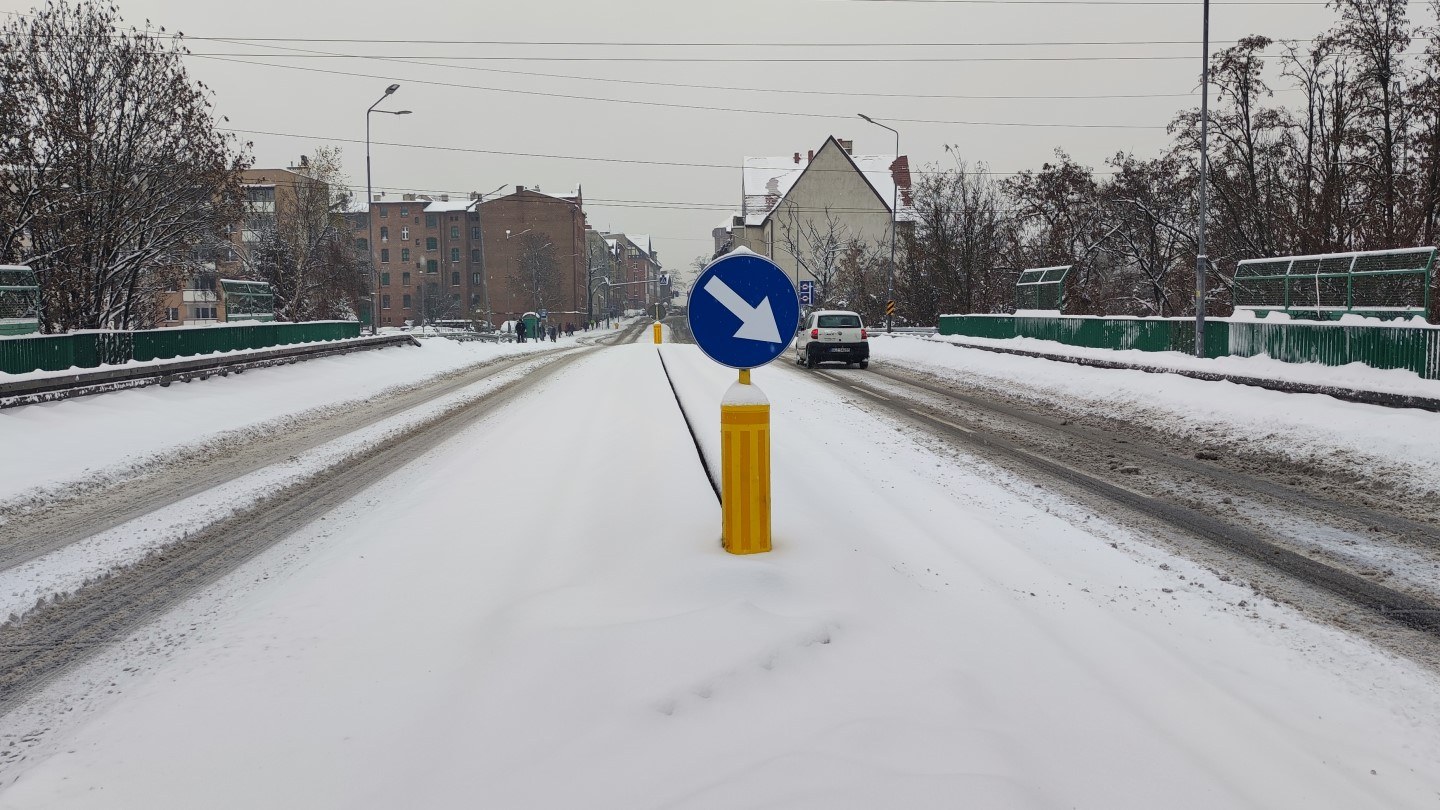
(817, 241)
(305, 250)
(113, 172)
(536, 275)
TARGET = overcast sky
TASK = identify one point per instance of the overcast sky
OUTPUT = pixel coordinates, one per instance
(490, 100)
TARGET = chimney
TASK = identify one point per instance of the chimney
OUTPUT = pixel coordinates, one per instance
(474, 195)
(407, 197)
(444, 198)
(519, 189)
(797, 158)
(848, 146)
(810, 155)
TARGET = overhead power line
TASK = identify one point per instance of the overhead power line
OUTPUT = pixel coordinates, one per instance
(773, 90)
(744, 59)
(676, 105)
(587, 158)
(618, 44)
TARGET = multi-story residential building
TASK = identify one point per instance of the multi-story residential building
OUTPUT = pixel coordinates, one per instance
(269, 195)
(428, 258)
(641, 268)
(536, 250)
(805, 211)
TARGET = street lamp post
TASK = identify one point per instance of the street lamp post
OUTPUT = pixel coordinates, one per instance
(369, 217)
(484, 278)
(1202, 261)
(894, 201)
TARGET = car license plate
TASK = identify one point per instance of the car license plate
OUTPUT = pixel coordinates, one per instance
(846, 350)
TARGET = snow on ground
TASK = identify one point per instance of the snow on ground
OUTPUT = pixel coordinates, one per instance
(66, 569)
(111, 436)
(1399, 446)
(1351, 375)
(481, 630)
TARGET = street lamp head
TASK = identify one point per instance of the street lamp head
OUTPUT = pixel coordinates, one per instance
(402, 112)
(392, 88)
(866, 117)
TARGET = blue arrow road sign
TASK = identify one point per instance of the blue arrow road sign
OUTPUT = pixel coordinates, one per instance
(743, 310)
(807, 293)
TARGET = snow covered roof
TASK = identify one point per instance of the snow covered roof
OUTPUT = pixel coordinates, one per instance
(444, 206)
(768, 179)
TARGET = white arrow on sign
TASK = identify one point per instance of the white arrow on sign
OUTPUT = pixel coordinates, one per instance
(756, 323)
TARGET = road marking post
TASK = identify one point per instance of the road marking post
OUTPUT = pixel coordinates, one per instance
(657, 333)
(745, 468)
(743, 313)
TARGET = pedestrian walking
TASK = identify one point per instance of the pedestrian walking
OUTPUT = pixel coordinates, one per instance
(520, 331)
(553, 330)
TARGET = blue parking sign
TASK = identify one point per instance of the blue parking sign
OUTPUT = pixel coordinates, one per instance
(743, 310)
(807, 293)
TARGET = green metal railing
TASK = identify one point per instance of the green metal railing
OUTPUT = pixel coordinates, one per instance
(1382, 283)
(1416, 348)
(19, 355)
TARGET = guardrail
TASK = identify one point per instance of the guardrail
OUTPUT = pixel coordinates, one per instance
(20, 355)
(82, 383)
(1412, 347)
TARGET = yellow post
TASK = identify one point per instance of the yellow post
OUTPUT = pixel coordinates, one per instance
(657, 333)
(745, 468)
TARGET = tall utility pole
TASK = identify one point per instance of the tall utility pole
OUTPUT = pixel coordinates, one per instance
(369, 208)
(1202, 261)
(480, 232)
(894, 202)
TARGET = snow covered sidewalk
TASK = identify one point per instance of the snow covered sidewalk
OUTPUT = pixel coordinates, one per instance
(480, 631)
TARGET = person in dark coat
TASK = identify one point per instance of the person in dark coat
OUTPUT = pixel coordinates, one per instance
(520, 331)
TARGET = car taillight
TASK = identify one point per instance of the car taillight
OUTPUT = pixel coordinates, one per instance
(814, 333)
(863, 334)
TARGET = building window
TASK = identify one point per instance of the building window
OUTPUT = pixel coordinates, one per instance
(474, 300)
(431, 243)
(432, 266)
(362, 244)
(384, 255)
(475, 233)
(475, 279)
(475, 255)
(405, 233)
(454, 231)
(404, 212)
(474, 216)
(406, 299)
(172, 314)
(385, 279)
(429, 220)
(384, 212)
(384, 234)
(405, 278)
(454, 217)
(454, 254)
(404, 254)
(384, 302)
(204, 313)
(454, 279)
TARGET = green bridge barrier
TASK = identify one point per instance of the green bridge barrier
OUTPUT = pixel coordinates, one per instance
(19, 355)
(1412, 347)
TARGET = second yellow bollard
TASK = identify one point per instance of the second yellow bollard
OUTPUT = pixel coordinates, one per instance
(745, 468)
(657, 333)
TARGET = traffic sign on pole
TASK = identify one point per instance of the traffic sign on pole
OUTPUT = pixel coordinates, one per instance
(807, 293)
(743, 310)
(889, 307)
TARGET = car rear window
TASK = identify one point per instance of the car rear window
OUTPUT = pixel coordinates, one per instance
(839, 322)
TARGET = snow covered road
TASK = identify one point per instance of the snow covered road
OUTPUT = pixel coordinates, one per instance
(475, 630)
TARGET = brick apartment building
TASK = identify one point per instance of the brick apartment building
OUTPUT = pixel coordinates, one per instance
(460, 260)
(639, 266)
(427, 253)
(526, 220)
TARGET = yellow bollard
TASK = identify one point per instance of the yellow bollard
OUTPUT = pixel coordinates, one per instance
(657, 333)
(745, 468)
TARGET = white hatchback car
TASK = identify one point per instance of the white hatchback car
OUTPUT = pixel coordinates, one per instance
(832, 335)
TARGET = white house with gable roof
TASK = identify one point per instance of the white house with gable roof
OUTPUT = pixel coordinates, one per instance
(805, 212)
